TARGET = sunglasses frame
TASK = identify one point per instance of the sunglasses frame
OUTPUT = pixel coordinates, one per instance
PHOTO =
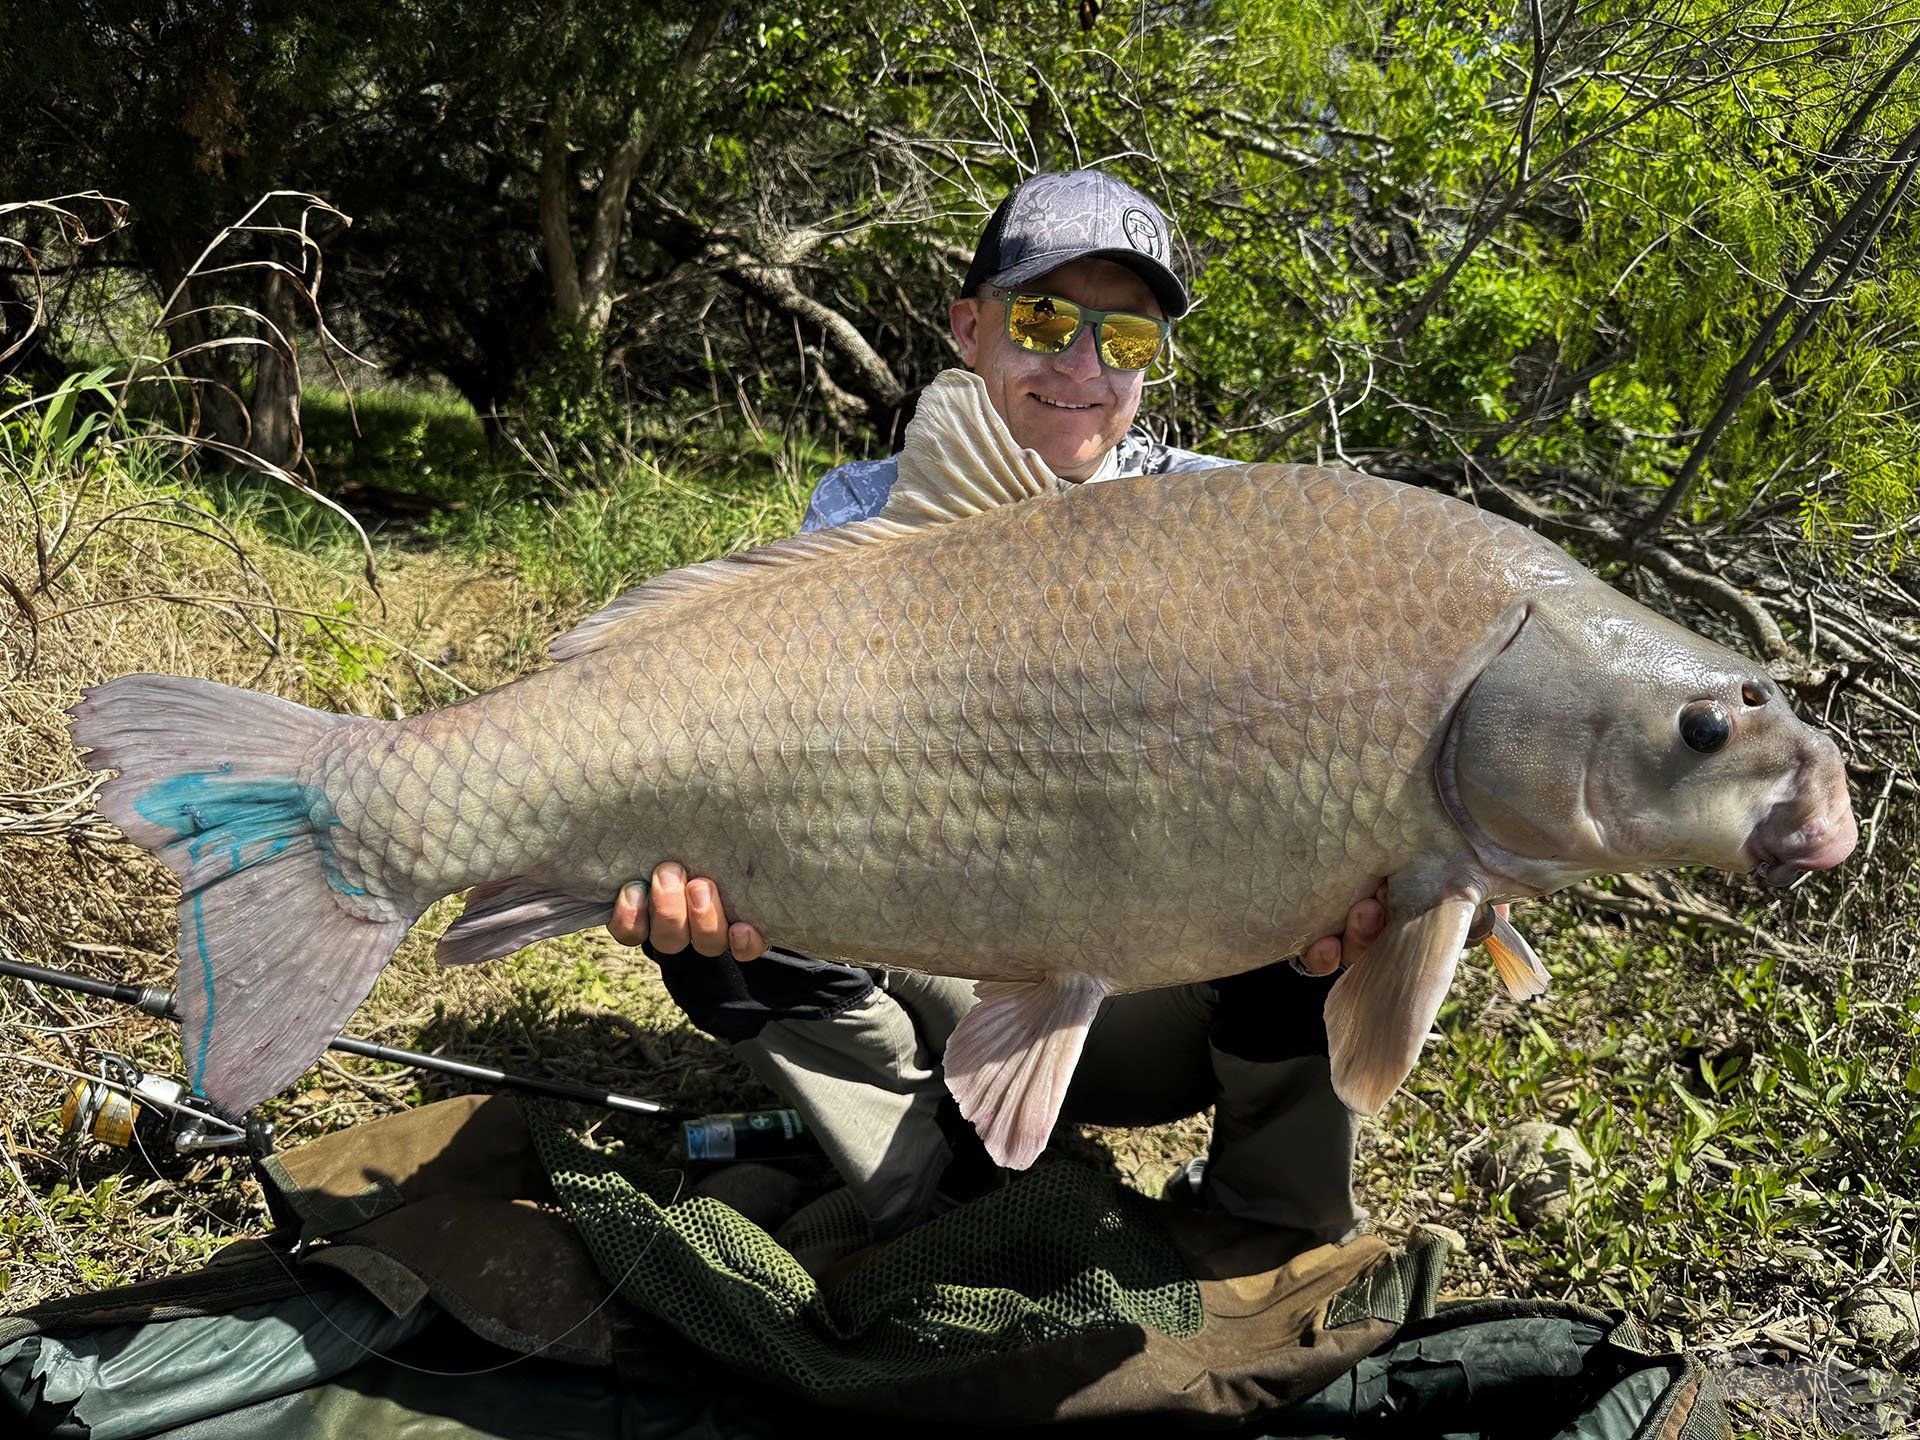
(1086, 312)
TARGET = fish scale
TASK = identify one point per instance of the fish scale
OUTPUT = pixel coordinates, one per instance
(1067, 741)
(964, 731)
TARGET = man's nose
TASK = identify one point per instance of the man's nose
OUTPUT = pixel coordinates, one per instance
(1080, 360)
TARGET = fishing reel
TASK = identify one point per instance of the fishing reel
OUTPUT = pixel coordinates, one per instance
(129, 1108)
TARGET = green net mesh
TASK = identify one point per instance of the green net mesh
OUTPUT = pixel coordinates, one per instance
(826, 1229)
(1061, 1251)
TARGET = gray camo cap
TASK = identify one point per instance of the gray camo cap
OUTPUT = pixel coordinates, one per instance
(1058, 217)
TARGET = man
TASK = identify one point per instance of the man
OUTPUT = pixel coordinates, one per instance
(1070, 296)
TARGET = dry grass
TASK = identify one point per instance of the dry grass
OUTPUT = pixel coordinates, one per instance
(118, 567)
(114, 559)
(75, 897)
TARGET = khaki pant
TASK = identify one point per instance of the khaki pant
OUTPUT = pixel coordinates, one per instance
(868, 1083)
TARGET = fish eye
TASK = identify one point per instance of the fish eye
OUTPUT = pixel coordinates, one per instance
(1704, 726)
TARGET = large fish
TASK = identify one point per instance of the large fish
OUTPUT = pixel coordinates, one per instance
(1065, 740)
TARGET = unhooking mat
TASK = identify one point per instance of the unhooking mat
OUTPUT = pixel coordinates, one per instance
(473, 1269)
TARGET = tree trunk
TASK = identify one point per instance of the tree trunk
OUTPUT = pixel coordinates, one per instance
(583, 278)
(275, 406)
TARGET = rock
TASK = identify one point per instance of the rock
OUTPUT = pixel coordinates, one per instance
(1426, 1231)
(1883, 1318)
(1541, 1168)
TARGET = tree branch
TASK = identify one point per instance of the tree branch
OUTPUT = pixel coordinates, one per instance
(1755, 365)
(773, 285)
(764, 269)
(610, 201)
(1840, 146)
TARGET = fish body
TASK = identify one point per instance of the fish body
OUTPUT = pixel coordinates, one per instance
(980, 749)
(1067, 741)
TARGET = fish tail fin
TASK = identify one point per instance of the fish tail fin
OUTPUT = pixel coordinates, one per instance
(277, 947)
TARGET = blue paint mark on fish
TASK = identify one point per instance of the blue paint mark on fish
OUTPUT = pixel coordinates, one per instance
(265, 814)
(206, 980)
(253, 821)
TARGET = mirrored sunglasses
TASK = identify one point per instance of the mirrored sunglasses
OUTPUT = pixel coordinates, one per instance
(1049, 324)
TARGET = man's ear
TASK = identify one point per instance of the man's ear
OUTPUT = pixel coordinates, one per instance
(963, 316)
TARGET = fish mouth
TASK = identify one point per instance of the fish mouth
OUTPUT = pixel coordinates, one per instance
(1813, 828)
(1781, 874)
(1812, 848)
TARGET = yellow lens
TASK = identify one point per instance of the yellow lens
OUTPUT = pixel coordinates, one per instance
(1129, 342)
(1042, 323)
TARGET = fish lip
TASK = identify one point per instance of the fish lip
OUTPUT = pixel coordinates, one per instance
(1819, 844)
(1781, 874)
(1786, 872)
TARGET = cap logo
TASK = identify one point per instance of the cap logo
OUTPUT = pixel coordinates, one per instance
(1142, 233)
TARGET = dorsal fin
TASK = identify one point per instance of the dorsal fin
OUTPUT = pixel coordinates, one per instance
(960, 459)
(663, 592)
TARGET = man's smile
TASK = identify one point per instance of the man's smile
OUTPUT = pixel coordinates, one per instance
(1061, 404)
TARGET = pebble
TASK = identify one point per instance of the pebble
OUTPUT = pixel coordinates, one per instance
(1427, 1231)
(1885, 1319)
(1541, 1168)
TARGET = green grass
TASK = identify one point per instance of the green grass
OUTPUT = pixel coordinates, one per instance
(417, 468)
(404, 439)
(1752, 1125)
(579, 527)
(636, 516)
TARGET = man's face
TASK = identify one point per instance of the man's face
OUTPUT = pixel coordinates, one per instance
(1069, 407)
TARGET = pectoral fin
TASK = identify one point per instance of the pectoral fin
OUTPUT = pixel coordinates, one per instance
(1379, 1013)
(1513, 959)
(1010, 1060)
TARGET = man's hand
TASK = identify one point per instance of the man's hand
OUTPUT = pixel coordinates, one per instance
(1365, 921)
(676, 911)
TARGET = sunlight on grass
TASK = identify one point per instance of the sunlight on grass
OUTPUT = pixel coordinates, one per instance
(1751, 1125)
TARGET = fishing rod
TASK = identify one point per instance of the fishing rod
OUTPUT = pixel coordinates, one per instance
(155, 1001)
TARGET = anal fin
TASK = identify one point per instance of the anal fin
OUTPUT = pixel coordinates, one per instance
(1513, 959)
(1011, 1059)
(503, 916)
(1380, 1011)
